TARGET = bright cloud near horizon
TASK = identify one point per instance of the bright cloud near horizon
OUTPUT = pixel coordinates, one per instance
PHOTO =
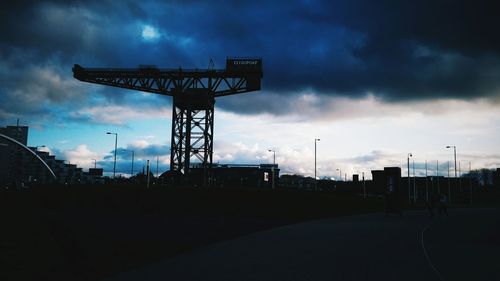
(373, 80)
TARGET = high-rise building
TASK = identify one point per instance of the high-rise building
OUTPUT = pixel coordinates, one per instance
(11, 155)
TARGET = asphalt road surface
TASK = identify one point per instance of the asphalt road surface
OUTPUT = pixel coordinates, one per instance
(463, 246)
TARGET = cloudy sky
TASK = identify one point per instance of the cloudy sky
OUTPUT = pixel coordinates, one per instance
(374, 80)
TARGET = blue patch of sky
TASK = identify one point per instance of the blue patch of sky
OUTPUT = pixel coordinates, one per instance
(155, 131)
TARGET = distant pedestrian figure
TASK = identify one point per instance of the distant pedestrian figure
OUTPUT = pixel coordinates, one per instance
(443, 205)
(431, 205)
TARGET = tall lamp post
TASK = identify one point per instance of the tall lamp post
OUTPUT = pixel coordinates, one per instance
(409, 184)
(274, 163)
(95, 163)
(116, 141)
(340, 174)
(315, 181)
(455, 156)
(274, 155)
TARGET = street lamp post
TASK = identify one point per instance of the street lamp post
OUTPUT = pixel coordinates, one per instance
(455, 156)
(274, 155)
(409, 184)
(274, 163)
(95, 163)
(116, 141)
(340, 174)
(315, 181)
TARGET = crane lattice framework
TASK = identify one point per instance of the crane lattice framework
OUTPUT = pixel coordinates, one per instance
(193, 91)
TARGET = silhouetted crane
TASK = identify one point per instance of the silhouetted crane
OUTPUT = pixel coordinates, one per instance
(193, 91)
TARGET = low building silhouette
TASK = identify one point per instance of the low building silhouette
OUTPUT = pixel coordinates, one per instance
(355, 177)
(297, 182)
(227, 175)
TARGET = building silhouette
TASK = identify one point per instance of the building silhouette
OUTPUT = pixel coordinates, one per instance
(19, 167)
(230, 176)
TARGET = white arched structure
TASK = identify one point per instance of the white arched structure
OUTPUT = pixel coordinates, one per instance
(30, 151)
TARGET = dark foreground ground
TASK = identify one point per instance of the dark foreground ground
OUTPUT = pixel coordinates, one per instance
(95, 233)
(411, 247)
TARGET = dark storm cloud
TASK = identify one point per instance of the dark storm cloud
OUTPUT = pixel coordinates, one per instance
(396, 50)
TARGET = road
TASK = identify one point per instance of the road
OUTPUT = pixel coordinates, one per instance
(463, 246)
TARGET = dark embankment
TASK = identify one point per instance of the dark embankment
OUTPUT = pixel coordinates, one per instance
(89, 233)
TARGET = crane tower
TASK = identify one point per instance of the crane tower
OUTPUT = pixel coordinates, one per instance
(193, 91)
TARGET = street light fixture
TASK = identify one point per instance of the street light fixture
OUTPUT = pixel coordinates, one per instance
(409, 185)
(340, 174)
(455, 156)
(274, 155)
(274, 163)
(95, 163)
(116, 141)
(315, 182)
